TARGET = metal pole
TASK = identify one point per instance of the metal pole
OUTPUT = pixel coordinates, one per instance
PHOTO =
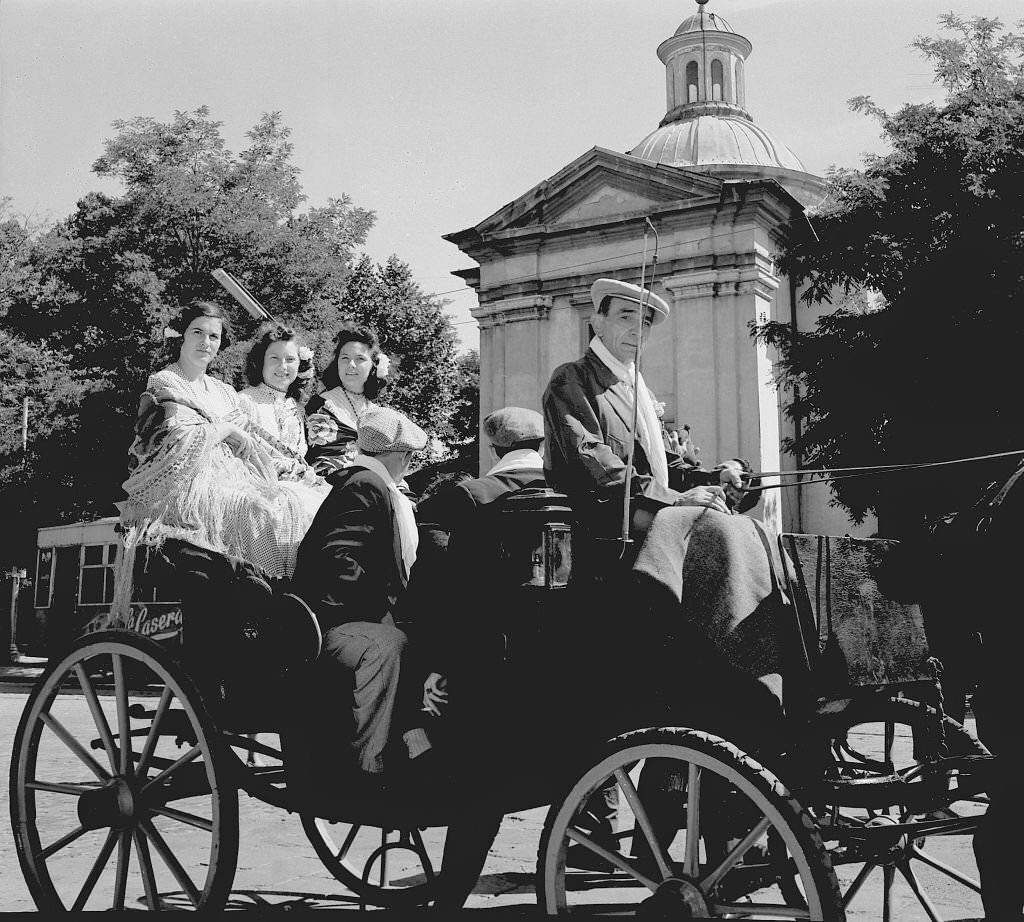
(15, 583)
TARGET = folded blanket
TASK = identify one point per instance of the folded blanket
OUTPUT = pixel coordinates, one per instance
(715, 571)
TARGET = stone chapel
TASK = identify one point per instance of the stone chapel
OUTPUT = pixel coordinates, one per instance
(720, 193)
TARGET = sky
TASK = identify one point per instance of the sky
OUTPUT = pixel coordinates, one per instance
(432, 113)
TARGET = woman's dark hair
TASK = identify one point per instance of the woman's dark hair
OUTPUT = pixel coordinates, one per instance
(353, 333)
(269, 334)
(191, 312)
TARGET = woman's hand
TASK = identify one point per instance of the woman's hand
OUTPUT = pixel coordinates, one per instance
(236, 438)
(435, 694)
(711, 497)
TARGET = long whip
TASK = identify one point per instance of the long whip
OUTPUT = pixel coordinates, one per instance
(645, 300)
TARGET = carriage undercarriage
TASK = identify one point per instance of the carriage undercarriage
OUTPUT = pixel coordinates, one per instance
(706, 829)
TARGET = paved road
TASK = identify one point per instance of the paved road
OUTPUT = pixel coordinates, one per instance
(277, 866)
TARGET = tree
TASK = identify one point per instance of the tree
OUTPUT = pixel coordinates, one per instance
(922, 254)
(466, 421)
(39, 482)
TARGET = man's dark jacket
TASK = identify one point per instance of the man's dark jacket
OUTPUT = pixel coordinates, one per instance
(588, 414)
(349, 565)
(451, 587)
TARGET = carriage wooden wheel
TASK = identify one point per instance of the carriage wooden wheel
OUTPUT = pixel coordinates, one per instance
(899, 779)
(140, 810)
(394, 868)
(702, 851)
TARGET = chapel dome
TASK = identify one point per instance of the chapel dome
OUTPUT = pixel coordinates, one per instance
(708, 22)
(704, 140)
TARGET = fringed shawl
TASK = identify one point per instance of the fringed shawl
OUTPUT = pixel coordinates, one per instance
(184, 482)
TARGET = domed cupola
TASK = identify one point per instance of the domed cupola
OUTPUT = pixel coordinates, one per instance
(707, 125)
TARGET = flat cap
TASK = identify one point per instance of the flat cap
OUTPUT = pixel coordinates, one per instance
(510, 425)
(613, 288)
(383, 429)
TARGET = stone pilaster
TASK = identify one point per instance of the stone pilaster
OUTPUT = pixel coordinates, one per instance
(513, 355)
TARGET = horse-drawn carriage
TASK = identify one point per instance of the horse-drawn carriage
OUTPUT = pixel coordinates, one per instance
(866, 772)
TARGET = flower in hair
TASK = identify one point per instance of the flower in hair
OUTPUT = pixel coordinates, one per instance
(305, 353)
(171, 333)
(383, 365)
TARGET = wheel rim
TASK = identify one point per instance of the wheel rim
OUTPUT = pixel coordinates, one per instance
(724, 805)
(902, 830)
(103, 819)
(389, 868)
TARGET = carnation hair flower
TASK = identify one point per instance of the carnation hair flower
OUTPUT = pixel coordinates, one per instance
(383, 365)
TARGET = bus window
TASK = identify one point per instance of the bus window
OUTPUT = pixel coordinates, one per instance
(44, 577)
(96, 579)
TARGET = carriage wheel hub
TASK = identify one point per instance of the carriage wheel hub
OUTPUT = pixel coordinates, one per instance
(112, 805)
(674, 899)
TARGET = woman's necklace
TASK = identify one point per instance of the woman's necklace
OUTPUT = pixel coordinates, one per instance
(356, 413)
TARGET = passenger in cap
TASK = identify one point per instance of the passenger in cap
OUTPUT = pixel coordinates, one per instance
(457, 618)
(353, 569)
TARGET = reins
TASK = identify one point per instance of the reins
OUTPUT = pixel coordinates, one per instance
(828, 475)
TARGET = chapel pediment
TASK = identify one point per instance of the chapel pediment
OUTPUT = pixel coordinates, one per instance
(601, 185)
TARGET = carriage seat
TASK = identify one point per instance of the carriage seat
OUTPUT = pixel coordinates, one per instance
(231, 613)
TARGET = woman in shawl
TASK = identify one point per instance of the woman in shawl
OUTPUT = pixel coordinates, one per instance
(196, 471)
(355, 376)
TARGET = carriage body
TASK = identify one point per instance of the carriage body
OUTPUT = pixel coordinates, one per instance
(173, 731)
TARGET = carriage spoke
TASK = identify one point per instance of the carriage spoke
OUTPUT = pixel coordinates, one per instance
(98, 717)
(58, 787)
(182, 817)
(189, 756)
(61, 732)
(124, 727)
(146, 864)
(421, 850)
(172, 863)
(94, 872)
(908, 873)
(888, 876)
(55, 847)
(924, 857)
(151, 739)
(124, 853)
(857, 883)
(615, 858)
(347, 844)
(691, 858)
(644, 821)
(731, 859)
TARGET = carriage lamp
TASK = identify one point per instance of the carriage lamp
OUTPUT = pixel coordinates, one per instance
(535, 543)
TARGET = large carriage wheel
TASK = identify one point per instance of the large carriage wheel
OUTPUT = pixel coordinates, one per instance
(899, 782)
(393, 868)
(120, 796)
(702, 813)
